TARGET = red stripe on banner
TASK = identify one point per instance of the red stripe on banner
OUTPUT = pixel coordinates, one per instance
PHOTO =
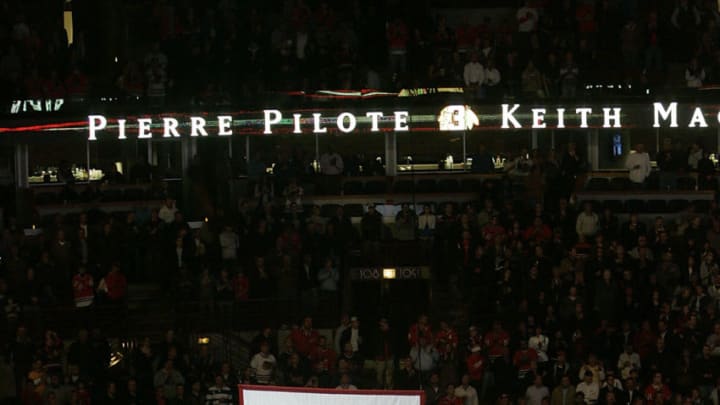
(43, 127)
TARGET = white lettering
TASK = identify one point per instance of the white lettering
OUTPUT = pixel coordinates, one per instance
(561, 118)
(224, 123)
(374, 116)
(36, 105)
(583, 116)
(508, 117)
(121, 129)
(614, 116)
(296, 124)
(661, 112)
(197, 126)
(698, 119)
(170, 126)
(316, 124)
(401, 118)
(351, 121)
(538, 118)
(144, 131)
(95, 123)
(272, 117)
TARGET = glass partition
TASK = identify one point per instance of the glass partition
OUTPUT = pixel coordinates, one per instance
(500, 145)
(429, 151)
(48, 156)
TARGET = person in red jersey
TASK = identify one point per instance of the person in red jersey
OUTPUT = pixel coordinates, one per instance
(657, 391)
(524, 359)
(114, 285)
(446, 341)
(323, 360)
(496, 342)
(305, 338)
(476, 365)
(420, 329)
(83, 290)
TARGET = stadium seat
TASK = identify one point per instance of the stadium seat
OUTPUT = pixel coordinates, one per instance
(352, 187)
(613, 205)
(635, 206)
(701, 206)
(686, 183)
(678, 205)
(426, 186)
(45, 198)
(112, 195)
(354, 210)
(329, 210)
(375, 187)
(656, 206)
(403, 186)
(598, 184)
(448, 186)
(470, 185)
(134, 194)
(620, 183)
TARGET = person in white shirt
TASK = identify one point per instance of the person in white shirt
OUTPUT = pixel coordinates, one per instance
(263, 365)
(535, 393)
(587, 222)
(168, 210)
(331, 163)
(492, 77)
(539, 343)
(474, 73)
(694, 155)
(229, 242)
(628, 361)
(344, 324)
(527, 18)
(694, 74)
(426, 223)
(638, 163)
(589, 388)
(466, 392)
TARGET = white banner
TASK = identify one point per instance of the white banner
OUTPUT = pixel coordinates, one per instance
(253, 395)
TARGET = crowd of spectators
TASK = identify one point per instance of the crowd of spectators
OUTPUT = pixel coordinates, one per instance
(225, 51)
(566, 304)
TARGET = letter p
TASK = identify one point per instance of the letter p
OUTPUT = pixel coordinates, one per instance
(272, 117)
(95, 123)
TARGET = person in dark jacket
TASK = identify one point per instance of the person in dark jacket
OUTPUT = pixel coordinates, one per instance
(354, 336)
(380, 347)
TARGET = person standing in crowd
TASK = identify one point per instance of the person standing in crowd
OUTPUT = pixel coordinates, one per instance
(638, 163)
(263, 365)
(474, 76)
(331, 167)
(669, 164)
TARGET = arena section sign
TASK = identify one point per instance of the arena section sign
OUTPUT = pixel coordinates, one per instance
(448, 118)
(444, 117)
(266, 395)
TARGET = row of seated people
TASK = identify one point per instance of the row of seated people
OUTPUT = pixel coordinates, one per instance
(392, 211)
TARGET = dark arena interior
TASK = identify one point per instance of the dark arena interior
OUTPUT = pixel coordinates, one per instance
(492, 202)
